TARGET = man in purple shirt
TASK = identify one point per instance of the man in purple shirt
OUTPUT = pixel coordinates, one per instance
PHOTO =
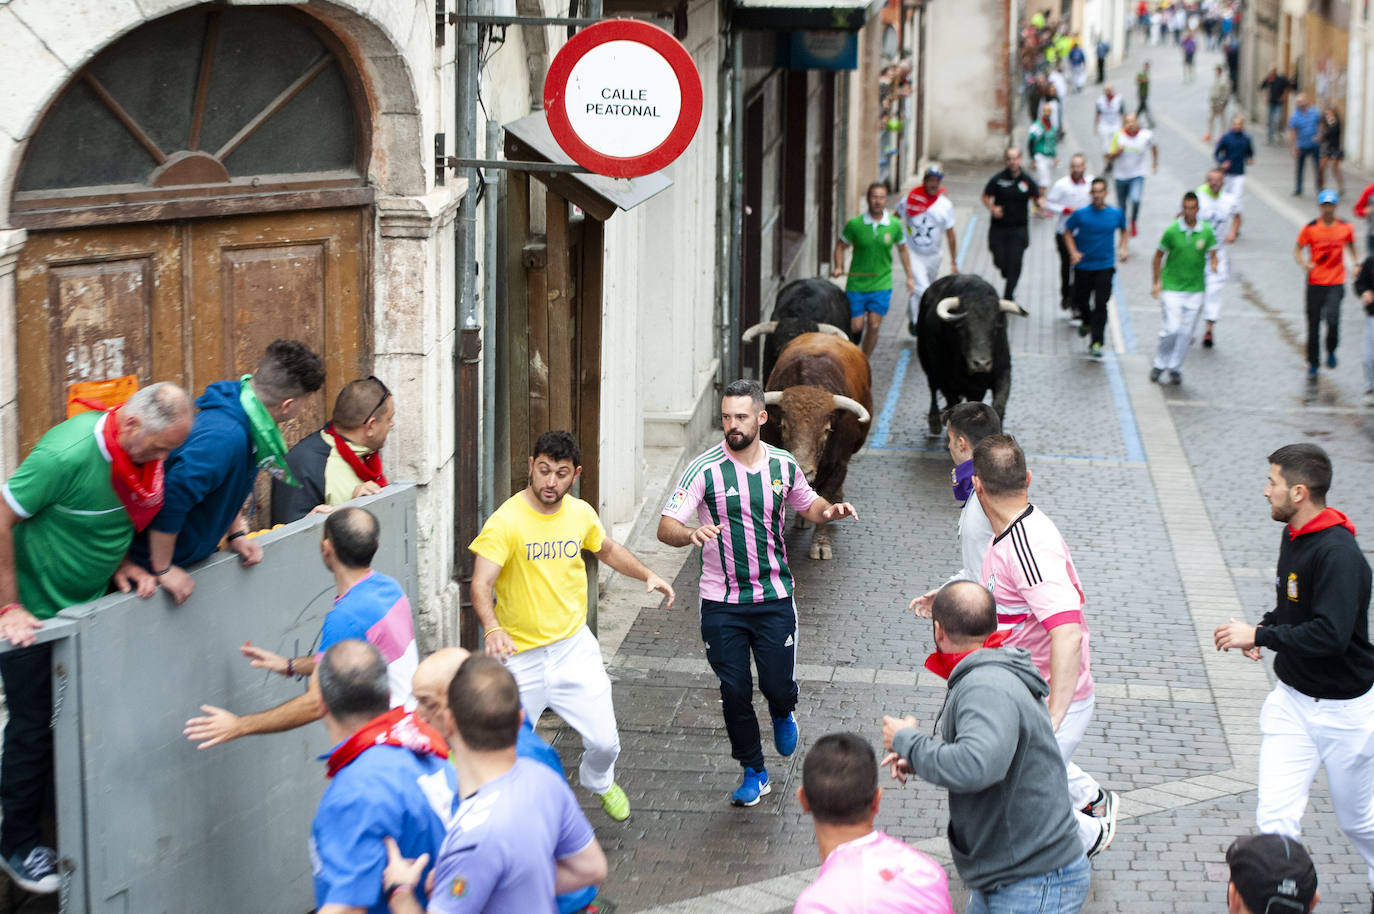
(518, 838)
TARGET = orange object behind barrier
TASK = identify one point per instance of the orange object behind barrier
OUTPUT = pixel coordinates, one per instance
(82, 395)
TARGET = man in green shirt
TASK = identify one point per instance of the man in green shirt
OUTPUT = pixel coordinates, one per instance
(872, 234)
(1180, 280)
(67, 516)
(1142, 93)
(1042, 142)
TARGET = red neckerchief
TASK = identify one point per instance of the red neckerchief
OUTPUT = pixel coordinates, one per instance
(918, 201)
(138, 488)
(368, 469)
(1329, 517)
(397, 727)
(942, 664)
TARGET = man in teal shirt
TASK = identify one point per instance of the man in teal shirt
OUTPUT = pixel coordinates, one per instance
(1043, 144)
(872, 235)
(1180, 279)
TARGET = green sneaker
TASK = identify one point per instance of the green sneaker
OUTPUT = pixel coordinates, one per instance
(616, 804)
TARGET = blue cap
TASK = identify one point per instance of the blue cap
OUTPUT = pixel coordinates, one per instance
(1328, 196)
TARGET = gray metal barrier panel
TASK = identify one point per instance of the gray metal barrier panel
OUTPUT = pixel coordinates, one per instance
(162, 826)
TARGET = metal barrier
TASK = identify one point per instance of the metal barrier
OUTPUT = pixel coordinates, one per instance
(148, 823)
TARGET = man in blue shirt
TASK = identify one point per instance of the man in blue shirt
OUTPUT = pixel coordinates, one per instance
(1302, 132)
(1234, 151)
(1089, 235)
(389, 777)
(235, 433)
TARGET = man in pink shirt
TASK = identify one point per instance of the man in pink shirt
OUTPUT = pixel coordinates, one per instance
(1031, 576)
(863, 871)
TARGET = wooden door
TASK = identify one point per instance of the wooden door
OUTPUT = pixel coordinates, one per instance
(193, 302)
(95, 304)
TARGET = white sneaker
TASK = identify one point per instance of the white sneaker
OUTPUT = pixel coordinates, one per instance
(36, 873)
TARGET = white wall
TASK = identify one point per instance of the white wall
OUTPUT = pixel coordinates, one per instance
(966, 79)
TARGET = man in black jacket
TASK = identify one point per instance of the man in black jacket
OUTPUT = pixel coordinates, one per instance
(1322, 710)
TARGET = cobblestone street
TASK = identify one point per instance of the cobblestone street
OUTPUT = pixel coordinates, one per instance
(1157, 491)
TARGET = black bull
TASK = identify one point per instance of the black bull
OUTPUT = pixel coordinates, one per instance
(802, 306)
(962, 343)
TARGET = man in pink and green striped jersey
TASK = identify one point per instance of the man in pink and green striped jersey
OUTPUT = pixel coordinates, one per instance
(739, 491)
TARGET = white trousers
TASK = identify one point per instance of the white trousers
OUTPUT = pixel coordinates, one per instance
(925, 269)
(1083, 787)
(1301, 733)
(569, 677)
(1179, 314)
(1234, 185)
(1104, 138)
(1216, 282)
(1044, 171)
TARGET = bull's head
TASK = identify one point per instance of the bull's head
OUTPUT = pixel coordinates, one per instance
(977, 325)
(807, 418)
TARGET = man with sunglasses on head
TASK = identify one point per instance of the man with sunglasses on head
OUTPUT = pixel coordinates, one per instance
(343, 460)
(210, 476)
(368, 606)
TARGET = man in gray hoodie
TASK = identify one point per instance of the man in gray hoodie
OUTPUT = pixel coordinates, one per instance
(1012, 836)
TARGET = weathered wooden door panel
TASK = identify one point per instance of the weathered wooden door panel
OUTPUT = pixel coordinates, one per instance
(95, 304)
(192, 302)
(257, 278)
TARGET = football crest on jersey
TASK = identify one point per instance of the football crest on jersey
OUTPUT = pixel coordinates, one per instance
(777, 487)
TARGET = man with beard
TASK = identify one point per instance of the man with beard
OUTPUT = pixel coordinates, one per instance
(1321, 713)
(530, 553)
(739, 491)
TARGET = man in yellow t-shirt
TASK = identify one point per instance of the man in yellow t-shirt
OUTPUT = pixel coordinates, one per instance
(530, 552)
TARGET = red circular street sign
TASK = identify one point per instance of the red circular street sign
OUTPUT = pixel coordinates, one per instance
(623, 98)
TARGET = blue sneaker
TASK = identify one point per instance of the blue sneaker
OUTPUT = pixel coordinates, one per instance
(754, 785)
(785, 734)
(1311, 371)
(1331, 360)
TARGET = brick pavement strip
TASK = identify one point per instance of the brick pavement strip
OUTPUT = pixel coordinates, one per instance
(1175, 728)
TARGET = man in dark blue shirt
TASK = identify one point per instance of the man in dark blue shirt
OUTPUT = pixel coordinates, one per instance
(1234, 151)
(1089, 235)
(1302, 130)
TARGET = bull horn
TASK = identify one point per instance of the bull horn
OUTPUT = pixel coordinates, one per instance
(854, 406)
(945, 309)
(772, 397)
(833, 330)
(1012, 307)
(758, 330)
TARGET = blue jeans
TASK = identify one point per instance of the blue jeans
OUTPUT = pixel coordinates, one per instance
(1130, 190)
(1274, 128)
(1060, 891)
(1304, 153)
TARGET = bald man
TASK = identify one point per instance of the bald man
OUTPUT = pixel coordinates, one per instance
(430, 688)
(368, 605)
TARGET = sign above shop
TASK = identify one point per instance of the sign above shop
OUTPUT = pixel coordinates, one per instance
(623, 98)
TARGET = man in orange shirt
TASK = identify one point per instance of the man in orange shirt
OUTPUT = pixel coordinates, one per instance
(1326, 239)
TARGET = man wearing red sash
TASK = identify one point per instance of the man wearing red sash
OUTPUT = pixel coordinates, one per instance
(67, 516)
(343, 460)
(389, 776)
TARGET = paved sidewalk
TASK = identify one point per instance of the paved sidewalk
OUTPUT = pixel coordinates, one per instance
(1157, 492)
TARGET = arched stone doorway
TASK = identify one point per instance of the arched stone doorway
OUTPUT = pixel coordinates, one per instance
(195, 190)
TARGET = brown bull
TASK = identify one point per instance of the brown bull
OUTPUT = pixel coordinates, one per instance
(819, 398)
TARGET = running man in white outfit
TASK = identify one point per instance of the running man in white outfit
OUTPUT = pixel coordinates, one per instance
(1220, 209)
(1040, 602)
(927, 214)
(1107, 121)
(1069, 193)
(1321, 713)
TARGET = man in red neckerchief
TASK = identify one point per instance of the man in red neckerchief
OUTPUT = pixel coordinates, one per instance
(343, 460)
(67, 516)
(389, 776)
(927, 215)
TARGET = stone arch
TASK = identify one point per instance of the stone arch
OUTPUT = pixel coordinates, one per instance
(55, 53)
